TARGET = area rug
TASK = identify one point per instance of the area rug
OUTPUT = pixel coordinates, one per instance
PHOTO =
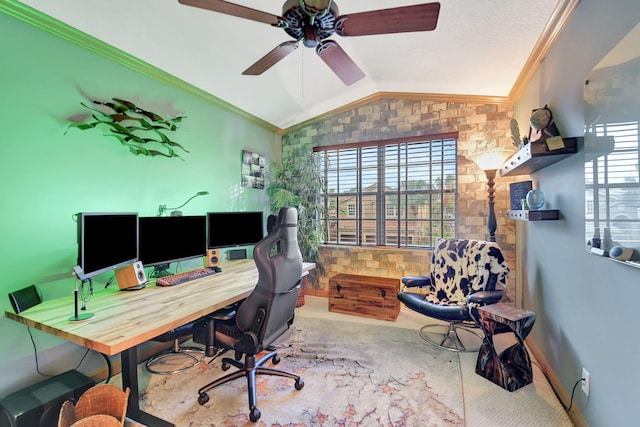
(354, 374)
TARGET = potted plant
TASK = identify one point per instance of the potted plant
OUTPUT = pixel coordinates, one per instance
(297, 182)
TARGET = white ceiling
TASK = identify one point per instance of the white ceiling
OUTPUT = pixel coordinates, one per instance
(478, 48)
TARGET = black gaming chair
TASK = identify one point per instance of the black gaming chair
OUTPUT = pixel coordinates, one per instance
(266, 313)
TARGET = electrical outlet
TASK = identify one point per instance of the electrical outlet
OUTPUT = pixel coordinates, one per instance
(586, 381)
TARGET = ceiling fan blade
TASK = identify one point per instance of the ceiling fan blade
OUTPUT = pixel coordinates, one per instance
(338, 60)
(236, 10)
(271, 58)
(420, 17)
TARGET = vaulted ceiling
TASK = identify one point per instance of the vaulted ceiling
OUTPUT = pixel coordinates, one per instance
(483, 48)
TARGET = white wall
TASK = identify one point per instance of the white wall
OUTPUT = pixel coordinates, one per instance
(586, 305)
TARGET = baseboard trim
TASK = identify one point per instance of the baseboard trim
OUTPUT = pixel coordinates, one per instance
(576, 416)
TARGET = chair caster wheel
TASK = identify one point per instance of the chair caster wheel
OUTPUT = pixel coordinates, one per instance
(203, 398)
(299, 384)
(254, 415)
(275, 359)
(225, 366)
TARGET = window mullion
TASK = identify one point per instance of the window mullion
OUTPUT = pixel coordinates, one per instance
(381, 204)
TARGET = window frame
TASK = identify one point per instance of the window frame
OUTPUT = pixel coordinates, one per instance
(399, 230)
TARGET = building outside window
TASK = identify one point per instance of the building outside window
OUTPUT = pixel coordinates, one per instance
(400, 192)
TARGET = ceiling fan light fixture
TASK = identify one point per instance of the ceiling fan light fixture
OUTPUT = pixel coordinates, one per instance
(309, 43)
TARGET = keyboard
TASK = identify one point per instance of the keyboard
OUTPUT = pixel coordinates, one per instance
(187, 276)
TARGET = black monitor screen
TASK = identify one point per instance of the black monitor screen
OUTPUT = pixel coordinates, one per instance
(106, 241)
(234, 228)
(164, 240)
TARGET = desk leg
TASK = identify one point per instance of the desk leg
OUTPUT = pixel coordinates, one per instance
(129, 360)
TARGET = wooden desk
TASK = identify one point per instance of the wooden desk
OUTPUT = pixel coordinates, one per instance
(125, 319)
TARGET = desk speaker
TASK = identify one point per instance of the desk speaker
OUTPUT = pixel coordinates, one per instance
(212, 259)
(39, 405)
(131, 275)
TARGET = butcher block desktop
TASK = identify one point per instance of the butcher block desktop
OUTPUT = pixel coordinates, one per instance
(366, 296)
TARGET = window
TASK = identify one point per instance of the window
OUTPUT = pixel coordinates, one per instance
(612, 187)
(398, 192)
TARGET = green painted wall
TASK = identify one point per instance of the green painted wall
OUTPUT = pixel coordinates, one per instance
(46, 176)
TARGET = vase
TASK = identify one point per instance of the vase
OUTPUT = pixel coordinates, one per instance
(535, 199)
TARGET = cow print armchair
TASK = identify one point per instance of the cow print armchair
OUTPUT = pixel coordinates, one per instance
(465, 274)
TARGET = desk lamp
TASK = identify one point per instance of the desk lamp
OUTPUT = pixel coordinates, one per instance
(489, 161)
(163, 208)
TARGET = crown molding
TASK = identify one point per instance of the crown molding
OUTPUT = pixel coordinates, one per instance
(57, 28)
(559, 18)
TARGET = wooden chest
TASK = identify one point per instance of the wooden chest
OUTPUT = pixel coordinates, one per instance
(366, 296)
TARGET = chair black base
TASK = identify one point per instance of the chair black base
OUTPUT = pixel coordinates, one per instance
(452, 336)
(186, 353)
(250, 368)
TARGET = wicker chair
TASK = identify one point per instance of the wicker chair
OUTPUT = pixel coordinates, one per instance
(101, 405)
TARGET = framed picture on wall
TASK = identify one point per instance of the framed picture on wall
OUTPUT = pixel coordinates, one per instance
(253, 165)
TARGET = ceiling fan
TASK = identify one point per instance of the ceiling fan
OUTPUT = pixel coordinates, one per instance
(312, 22)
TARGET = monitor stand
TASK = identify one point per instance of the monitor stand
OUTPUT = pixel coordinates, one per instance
(79, 317)
(161, 270)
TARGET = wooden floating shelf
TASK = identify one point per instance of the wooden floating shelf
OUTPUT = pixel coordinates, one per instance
(535, 156)
(534, 215)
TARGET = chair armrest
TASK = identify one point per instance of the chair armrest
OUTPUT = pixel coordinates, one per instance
(485, 297)
(248, 344)
(416, 281)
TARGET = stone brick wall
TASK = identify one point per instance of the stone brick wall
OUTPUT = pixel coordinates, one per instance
(479, 126)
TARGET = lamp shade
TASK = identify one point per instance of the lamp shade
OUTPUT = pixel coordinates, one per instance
(490, 159)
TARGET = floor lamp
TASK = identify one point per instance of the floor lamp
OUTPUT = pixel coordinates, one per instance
(490, 161)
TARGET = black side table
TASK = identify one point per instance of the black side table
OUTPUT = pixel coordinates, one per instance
(510, 369)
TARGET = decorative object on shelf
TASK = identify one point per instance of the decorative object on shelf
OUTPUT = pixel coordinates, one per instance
(518, 142)
(595, 240)
(621, 253)
(489, 161)
(163, 208)
(141, 131)
(607, 242)
(535, 199)
(543, 130)
(253, 167)
(518, 193)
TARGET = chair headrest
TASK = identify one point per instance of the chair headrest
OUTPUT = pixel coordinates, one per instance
(288, 216)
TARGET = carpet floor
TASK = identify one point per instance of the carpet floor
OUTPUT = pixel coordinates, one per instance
(357, 372)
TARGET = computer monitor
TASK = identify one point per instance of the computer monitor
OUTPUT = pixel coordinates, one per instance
(168, 239)
(106, 241)
(234, 229)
